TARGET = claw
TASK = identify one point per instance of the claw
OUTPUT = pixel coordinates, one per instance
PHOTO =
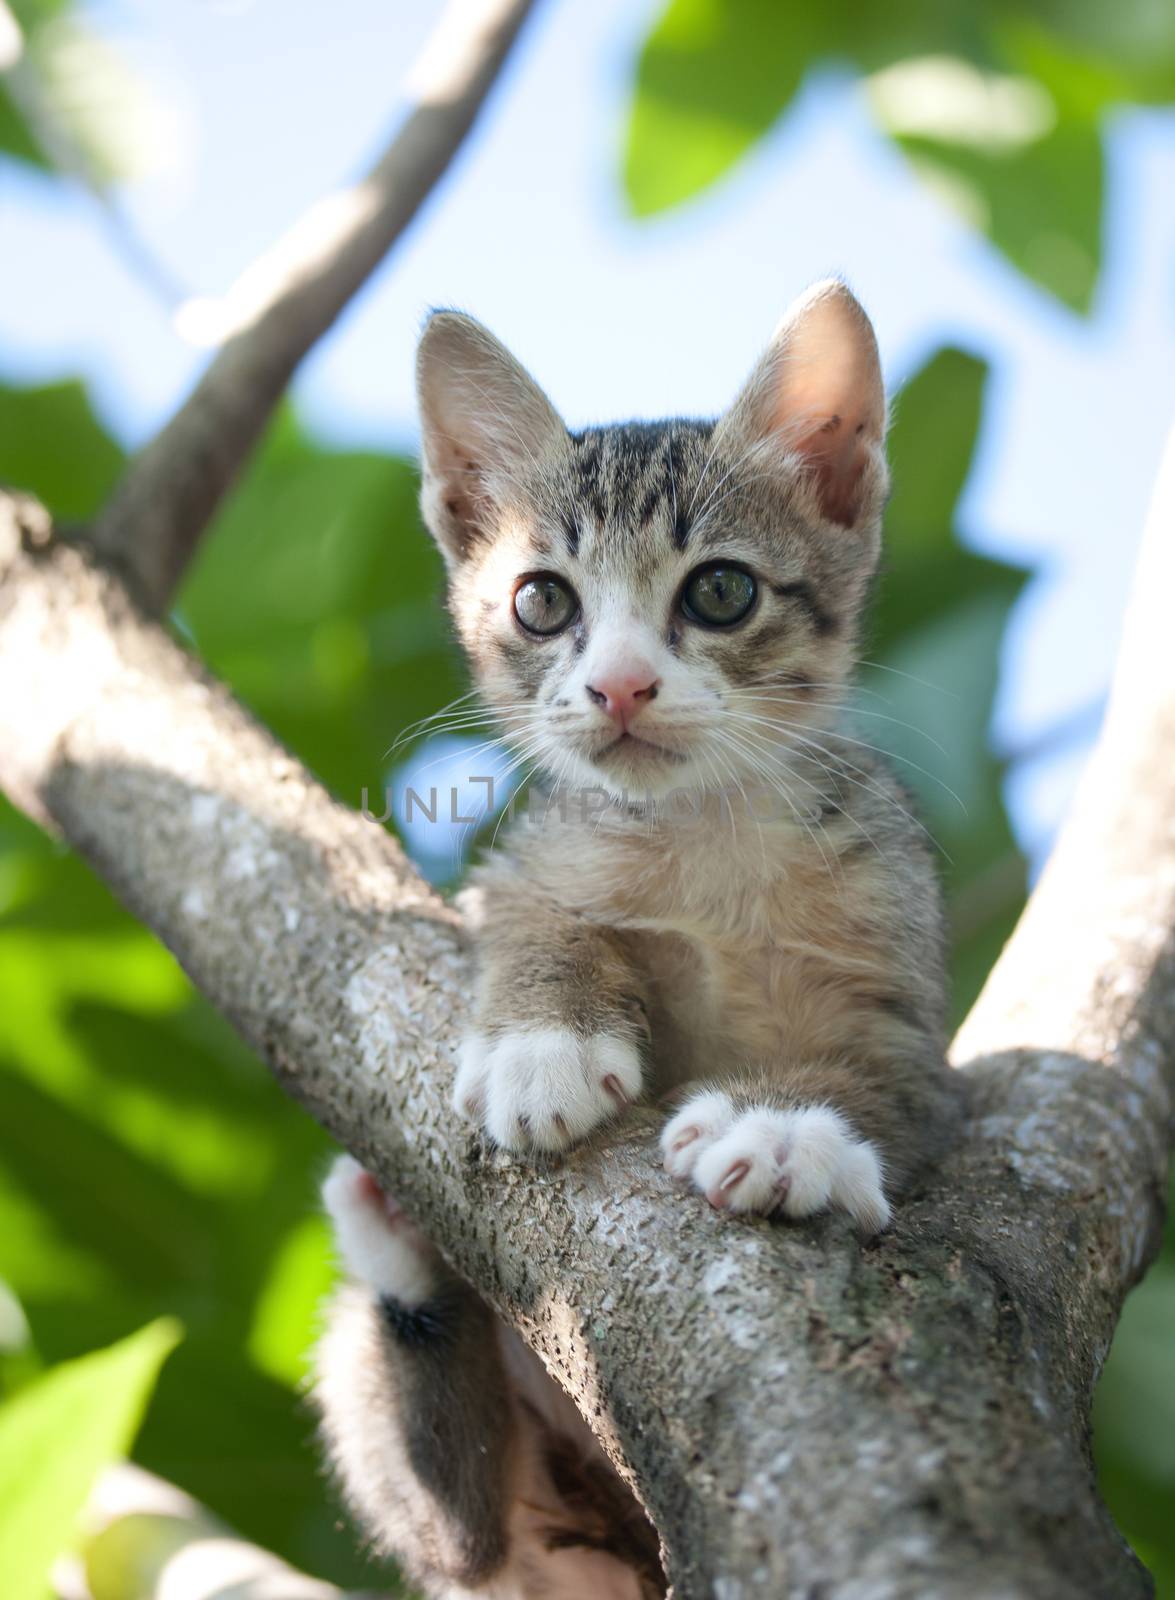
(544, 1088)
(720, 1196)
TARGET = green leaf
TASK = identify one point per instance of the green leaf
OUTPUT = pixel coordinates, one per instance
(288, 1313)
(712, 78)
(999, 108)
(932, 660)
(72, 102)
(1135, 1415)
(52, 444)
(1134, 1418)
(56, 1435)
(33, 14)
(1040, 203)
(319, 597)
(16, 137)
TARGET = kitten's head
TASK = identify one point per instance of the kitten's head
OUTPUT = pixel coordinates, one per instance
(659, 605)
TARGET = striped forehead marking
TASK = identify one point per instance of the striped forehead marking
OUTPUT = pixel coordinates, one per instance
(635, 475)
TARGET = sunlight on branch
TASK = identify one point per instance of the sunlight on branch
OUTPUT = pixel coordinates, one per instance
(445, 72)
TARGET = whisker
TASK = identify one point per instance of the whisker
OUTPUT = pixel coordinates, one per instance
(792, 680)
(898, 672)
(848, 815)
(749, 811)
(774, 779)
(450, 718)
(713, 506)
(860, 711)
(435, 716)
(864, 780)
(706, 465)
(890, 755)
(786, 726)
(507, 738)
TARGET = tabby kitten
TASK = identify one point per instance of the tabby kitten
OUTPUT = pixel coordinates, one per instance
(723, 897)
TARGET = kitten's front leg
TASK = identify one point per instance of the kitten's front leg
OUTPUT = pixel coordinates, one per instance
(561, 1024)
(544, 1088)
(766, 1159)
(843, 1132)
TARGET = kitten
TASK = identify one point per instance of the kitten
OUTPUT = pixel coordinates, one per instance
(723, 896)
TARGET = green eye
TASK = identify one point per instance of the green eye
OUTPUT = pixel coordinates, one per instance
(544, 604)
(718, 595)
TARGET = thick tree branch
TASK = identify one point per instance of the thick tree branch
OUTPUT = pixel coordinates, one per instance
(288, 299)
(801, 1414)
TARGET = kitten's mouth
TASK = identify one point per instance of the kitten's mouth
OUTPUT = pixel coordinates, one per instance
(632, 746)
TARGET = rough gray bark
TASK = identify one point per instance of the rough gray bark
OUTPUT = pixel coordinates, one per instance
(802, 1415)
(288, 299)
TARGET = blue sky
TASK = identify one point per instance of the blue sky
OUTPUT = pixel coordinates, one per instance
(266, 104)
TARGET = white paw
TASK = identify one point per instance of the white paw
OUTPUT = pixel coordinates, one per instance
(764, 1160)
(546, 1087)
(376, 1242)
(702, 1120)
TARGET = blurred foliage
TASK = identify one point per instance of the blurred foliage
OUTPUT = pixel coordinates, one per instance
(999, 106)
(148, 1167)
(17, 138)
(71, 103)
(931, 660)
(55, 1438)
(1134, 1420)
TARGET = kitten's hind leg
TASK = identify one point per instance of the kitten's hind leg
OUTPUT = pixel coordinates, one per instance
(377, 1243)
(413, 1396)
(457, 1453)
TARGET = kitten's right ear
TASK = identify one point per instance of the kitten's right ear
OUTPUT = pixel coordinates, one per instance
(485, 423)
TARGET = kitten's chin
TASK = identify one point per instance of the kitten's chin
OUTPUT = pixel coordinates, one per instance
(636, 769)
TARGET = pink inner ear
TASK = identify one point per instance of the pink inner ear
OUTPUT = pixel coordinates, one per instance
(836, 453)
(824, 399)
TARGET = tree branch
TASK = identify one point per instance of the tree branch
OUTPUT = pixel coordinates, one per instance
(286, 301)
(799, 1414)
(144, 1539)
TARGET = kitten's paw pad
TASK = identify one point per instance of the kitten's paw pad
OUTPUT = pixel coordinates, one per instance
(795, 1162)
(376, 1242)
(704, 1118)
(546, 1087)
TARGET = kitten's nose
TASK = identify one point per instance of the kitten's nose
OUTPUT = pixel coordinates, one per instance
(623, 695)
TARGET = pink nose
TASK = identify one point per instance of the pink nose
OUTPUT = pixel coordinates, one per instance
(623, 695)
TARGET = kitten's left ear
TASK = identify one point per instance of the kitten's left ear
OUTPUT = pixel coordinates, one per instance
(817, 394)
